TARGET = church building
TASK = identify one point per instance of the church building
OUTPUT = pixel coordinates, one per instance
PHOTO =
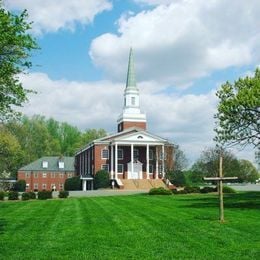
(132, 153)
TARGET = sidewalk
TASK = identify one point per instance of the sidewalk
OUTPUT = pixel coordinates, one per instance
(101, 193)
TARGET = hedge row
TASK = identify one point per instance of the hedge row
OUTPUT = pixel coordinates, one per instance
(186, 190)
(42, 195)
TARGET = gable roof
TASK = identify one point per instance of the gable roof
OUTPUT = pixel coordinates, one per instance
(129, 135)
(52, 164)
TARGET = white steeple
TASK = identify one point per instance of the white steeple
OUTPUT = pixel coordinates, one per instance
(131, 115)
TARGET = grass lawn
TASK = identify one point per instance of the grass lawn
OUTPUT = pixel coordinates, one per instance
(132, 227)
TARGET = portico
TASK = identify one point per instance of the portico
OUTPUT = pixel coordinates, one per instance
(137, 159)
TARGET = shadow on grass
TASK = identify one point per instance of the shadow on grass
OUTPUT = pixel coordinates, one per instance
(3, 224)
(243, 200)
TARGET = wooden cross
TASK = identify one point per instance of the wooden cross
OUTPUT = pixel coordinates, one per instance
(220, 180)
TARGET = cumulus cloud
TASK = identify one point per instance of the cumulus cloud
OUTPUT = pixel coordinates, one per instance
(53, 15)
(179, 42)
(186, 120)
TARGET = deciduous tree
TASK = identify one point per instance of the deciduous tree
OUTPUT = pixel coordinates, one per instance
(16, 45)
(238, 116)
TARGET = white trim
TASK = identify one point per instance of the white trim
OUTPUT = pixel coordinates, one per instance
(147, 161)
(105, 149)
(116, 160)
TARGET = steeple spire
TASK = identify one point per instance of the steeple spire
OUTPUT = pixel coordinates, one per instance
(131, 81)
(132, 115)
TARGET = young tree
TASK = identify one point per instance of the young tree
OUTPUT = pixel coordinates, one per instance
(238, 116)
(208, 163)
(247, 171)
(11, 154)
(16, 45)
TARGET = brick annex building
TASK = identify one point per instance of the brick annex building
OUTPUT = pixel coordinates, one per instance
(132, 153)
(47, 173)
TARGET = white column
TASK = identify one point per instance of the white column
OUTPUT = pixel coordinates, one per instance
(147, 161)
(157, 164)
(116, 161)
(112, 162)
(163, 173)
(84, 184)
(132, 159)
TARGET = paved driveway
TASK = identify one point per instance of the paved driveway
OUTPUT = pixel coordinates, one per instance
(96, 193)
(245, 187)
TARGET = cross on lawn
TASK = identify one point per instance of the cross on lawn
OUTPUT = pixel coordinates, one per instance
(220, 180)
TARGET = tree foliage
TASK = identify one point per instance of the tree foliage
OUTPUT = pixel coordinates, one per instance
(11, 155)
(25, 140)
(16, 47)
(238, 116)
(208, 166)
(181, 161)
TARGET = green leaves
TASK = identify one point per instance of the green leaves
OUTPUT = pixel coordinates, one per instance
(238, 116)
(16, 45)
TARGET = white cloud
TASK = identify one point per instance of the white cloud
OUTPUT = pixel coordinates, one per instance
(155, 2)
(177, 43)
(186, 120)
(53, 15)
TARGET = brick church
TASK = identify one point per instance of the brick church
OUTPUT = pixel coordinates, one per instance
(132, 153)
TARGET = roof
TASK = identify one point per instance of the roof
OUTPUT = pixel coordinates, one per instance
(131, 81)
(53, 164)
(132, 134)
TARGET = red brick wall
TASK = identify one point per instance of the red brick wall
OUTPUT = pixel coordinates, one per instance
(125, 125)
(98, 161)
(40, 180)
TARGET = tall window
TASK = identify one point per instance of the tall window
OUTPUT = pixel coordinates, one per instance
(35, 186)
(105, 167)
(27, 175)
(44, 186)
(150, 154)
(44, 175)
(104, 154)
(136, 154)
(120, 154)
(133, 101)
(120, 168)
(150, 168)
(35, 175)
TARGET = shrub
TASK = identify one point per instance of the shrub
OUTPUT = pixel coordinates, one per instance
(63, 194)
(176, 177)
(192, 189)
(2, 195)
(44, 195)
(73, 183)
(227, 189)
(20, 186)
(159, 191)
(25, 196)
(101, 179)
(13, 195)
(208, 189)
(32, 195)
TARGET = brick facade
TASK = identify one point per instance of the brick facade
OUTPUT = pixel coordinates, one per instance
(43, 180)
(125, 125)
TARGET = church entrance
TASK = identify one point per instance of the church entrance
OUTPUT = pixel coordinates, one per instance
(137, 170)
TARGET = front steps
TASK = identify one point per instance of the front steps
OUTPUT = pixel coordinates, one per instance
(142, 184)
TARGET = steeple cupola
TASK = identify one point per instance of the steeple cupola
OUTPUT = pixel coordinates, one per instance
(131, 116)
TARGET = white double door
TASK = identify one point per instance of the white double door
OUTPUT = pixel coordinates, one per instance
(136, 173)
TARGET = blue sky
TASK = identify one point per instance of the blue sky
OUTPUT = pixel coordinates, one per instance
(184, 50)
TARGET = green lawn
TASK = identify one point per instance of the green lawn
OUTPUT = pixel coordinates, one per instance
(131, 227)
